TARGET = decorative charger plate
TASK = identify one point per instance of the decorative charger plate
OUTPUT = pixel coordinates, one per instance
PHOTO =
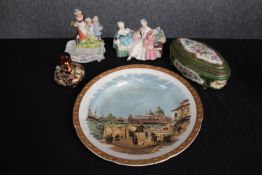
(137, 115)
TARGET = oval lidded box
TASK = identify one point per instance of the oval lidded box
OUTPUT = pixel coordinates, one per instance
(199, 63)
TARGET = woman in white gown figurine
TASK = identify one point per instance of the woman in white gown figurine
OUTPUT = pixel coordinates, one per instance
(137, 49)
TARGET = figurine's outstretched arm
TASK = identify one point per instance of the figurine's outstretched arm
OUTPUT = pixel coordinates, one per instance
(73, 23)
(100, 28)
(129, 30)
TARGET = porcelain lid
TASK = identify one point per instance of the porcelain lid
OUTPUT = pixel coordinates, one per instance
(201, 51)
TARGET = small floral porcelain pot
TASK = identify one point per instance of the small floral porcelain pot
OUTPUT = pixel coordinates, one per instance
(199, 63)
(68, 73)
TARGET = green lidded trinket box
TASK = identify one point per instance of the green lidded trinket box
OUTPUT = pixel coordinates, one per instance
(200, 63)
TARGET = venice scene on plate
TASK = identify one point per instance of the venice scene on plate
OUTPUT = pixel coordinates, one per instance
(138, 113)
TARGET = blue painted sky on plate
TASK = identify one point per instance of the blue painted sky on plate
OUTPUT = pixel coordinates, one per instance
(136, 94)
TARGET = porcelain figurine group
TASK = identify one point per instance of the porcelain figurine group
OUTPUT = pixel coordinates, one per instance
(193, 59)
(143, 44)
(88, 45)
(88, 30)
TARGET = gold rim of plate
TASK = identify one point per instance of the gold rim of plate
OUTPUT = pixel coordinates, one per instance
(144, 162)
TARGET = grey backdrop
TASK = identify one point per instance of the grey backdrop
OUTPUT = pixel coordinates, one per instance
(179, 18)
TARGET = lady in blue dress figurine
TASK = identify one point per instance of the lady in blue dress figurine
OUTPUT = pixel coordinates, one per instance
(97, 27)
(122, 40)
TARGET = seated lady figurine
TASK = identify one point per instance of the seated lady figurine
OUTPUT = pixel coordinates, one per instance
(122, 40)
(88, 46)
(149, 45)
